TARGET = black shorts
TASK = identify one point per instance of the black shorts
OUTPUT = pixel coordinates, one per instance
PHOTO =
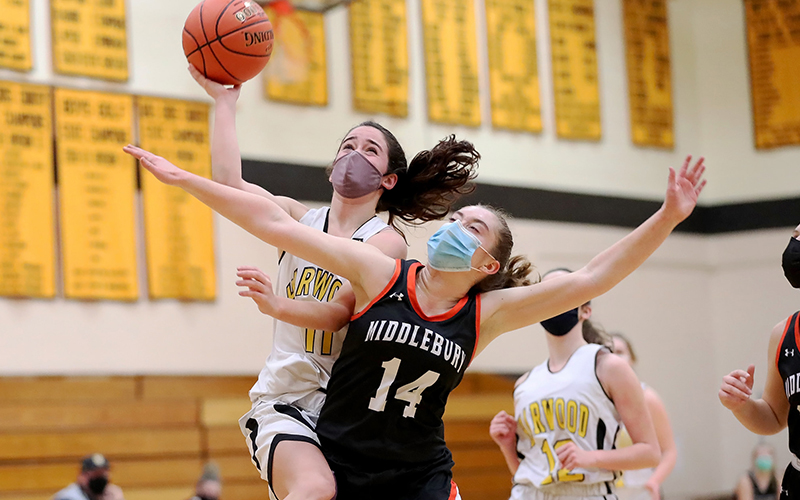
(436, 486)
(790, 486)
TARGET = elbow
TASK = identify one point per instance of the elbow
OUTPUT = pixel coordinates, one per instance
(653, 456)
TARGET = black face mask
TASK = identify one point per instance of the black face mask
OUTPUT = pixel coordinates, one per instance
(97, 485)
(561, 324)
(791, 262)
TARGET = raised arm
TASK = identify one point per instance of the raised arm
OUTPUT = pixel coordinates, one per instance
(226, 159)
(765, 416)
(327, 316)
(367, 268)
(513, 308)
(623, 387)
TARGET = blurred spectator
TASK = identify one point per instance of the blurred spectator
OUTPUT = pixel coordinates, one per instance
(92, 483)
(208, 486)
(760, 482)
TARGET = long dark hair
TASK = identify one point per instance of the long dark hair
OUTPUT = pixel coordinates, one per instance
(428, 186)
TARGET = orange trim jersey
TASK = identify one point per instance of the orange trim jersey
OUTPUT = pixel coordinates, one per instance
(381, 426)
(788, 362)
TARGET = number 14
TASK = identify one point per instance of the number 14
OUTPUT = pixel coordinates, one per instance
(412, 393)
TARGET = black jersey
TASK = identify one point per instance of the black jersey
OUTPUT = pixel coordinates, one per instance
(788, 361)
(382, 420)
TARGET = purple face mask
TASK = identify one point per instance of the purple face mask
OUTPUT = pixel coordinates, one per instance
(354, 176)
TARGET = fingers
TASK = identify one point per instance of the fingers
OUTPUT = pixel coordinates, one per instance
(685, 165)
(254, 275)
(671, 178)
(739, 383)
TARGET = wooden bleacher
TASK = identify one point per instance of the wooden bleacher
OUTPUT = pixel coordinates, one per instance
(159, 431)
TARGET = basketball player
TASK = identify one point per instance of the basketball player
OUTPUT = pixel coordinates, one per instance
(370, 174)
(567, 414)
(645, 484)
(778, 407)
(417, 326)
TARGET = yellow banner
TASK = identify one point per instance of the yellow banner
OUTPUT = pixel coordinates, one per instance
(451, 61)
(649, 73)
(297, 72)
(772, 28)
(90, 39)
(575, 78)
(513, 75)
(97, 187)
(15, 35)
(379, 51)
(179, 230)
(27, 225)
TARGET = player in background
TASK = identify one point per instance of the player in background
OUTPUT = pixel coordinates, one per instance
(778, 406)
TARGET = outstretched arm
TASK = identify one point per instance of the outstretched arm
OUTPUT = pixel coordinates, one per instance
(765, 416)
(226, 160)
(367, 268)
(625, 390)
(513, 308)
(329, 316)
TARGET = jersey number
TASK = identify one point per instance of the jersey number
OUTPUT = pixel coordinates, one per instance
(326, 345)
(563, 474)
(412, 393)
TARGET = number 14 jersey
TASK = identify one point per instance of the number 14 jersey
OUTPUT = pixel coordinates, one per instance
(553, 409)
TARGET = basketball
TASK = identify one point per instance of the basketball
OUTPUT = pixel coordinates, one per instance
(228, 41)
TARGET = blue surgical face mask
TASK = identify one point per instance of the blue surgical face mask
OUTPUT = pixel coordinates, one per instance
(451, 248)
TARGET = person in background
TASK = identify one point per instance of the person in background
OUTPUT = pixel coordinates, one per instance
(209, 486)
(92, 483)
(645, 484)
(760, 482)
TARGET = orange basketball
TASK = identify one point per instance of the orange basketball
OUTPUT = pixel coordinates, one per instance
(229, 41)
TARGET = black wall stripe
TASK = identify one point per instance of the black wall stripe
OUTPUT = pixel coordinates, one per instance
(310, 183)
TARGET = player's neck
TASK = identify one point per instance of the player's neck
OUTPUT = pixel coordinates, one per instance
(348, 214)
(562, 348)
(439, 291)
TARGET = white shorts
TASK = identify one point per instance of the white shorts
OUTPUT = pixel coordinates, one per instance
(594, 491)
(271, 421)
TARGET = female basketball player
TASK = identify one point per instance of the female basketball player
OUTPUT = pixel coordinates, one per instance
(567, 414)
(645, 484)
(370, 174)
(770, 414)
(417, 327)
(760, 482)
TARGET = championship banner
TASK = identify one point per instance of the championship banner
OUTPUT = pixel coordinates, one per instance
(15, 35)
(90, 38)
(297, 72)
(772, 28)
(451, 61)
(27, 219)
(649, 74)
(179, 229)
(97, 187)
(575, 77)
(513, 74)
(379, 52)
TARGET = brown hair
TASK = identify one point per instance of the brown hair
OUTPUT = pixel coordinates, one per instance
(428, 186)
(593, 333)
(627, 341)
(514, 270)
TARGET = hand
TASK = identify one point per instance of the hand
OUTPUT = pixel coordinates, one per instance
(654, 489)
(259, 288)
(572, 457)
(683, 189)
(503, 430)
(164, 171)
(112, 492)
(737, 387)
(215, 90)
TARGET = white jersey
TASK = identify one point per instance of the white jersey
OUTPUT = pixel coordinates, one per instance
(553, 409)
(301, 359)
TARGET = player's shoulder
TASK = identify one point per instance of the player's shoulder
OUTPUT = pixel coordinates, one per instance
(390, 242)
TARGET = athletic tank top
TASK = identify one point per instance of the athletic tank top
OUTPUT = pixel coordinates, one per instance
(301, 358)
(788, 361)
(553, 409)
(382, 419)
(636, 477)
(769, 494)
